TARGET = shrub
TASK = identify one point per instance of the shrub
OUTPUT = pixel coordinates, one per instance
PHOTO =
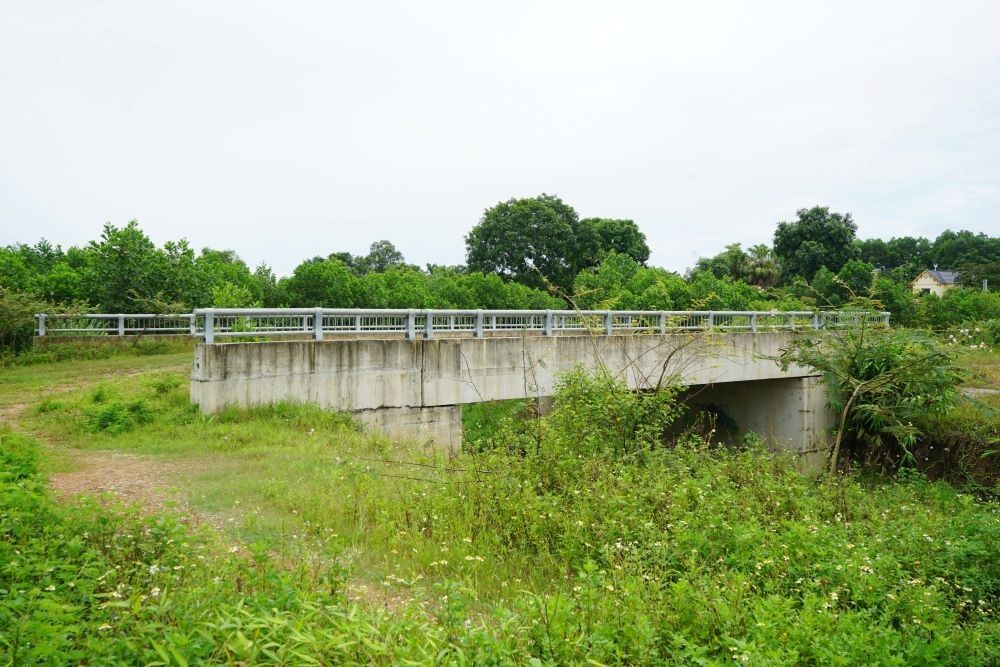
(119, 417)
(881, 383)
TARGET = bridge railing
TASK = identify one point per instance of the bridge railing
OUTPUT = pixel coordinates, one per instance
(118, 324)
(317, 323)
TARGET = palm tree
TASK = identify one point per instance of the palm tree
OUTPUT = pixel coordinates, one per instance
(762, 267)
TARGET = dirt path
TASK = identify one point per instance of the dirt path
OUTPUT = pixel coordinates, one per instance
(9, 413)
(148, 483)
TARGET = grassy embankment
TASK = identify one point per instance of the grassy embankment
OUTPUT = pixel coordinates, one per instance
(312, 540)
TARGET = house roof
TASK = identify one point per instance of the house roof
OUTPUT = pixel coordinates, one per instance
(943, 277)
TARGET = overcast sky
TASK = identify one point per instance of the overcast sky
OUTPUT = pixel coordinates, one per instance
(285, 130)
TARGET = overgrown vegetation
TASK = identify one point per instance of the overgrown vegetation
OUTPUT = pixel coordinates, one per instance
(884, 383)
(573, 540)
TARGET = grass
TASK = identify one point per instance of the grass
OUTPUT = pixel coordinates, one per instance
(985, 368)
(540, 550)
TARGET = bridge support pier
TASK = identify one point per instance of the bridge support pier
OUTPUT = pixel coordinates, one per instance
(441, 424)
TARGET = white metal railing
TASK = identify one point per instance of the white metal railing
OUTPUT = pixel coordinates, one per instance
(316, 323)
(119, 324)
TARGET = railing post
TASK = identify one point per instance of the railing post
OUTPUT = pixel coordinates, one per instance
(209, 325)
(547, 331)
(609, 322)
(663, 323)
(121, 325)
(885, 320)
(411, 324)
(479, 324)
(192, 324)
(318, 324)
(711, 320)
(41, 324)
(429, 324)
(753, 322)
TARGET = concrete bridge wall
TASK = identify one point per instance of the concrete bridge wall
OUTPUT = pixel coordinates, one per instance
(414, 388)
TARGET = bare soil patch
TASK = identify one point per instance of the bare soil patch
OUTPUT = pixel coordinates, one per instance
(148, 483)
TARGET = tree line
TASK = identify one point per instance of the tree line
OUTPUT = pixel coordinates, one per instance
(533, 252)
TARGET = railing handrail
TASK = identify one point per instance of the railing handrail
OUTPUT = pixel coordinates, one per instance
(208, 323)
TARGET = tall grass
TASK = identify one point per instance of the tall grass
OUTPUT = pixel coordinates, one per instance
(569, 541)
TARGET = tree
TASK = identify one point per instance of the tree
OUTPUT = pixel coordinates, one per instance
(730, 263)
(599, 236)
(532, 241)
(17, 319)
(620, 283)
(762, 267)
(818, 238)
(905, 256)
(856, 276)
(956, 250)
(321, 282)
(756, 267)
(271, 295)
(882, 382)
(973, 275)
(382, 256)
(540, 241)
(125, 266)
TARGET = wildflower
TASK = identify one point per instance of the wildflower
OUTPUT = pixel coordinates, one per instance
(155, 592)
(50, 588)
(104, 627)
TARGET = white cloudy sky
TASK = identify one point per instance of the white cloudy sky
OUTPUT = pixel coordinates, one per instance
(285, 130)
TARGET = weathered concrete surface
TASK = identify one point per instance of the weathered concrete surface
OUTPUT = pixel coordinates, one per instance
(397, 384)
(395, 373)
(441, 425)
(791, 414)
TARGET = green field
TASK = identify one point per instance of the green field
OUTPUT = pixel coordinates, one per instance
(137, 531)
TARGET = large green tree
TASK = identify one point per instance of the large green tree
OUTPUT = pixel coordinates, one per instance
(531, 240)
(321, 282)
(540, 241)
(125, 267)
(957, 250)
(817, 238)
(596, 237)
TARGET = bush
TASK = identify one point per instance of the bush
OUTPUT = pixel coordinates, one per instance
(882, 382)
(958, 305)
(17, 320)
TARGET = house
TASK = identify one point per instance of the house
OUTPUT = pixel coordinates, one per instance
(933, 281)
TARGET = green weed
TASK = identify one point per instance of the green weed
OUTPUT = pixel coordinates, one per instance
(579, 541)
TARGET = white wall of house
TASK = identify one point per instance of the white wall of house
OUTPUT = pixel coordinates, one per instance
(928, 284)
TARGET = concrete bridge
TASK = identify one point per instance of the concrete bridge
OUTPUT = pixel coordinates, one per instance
(409, 372)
